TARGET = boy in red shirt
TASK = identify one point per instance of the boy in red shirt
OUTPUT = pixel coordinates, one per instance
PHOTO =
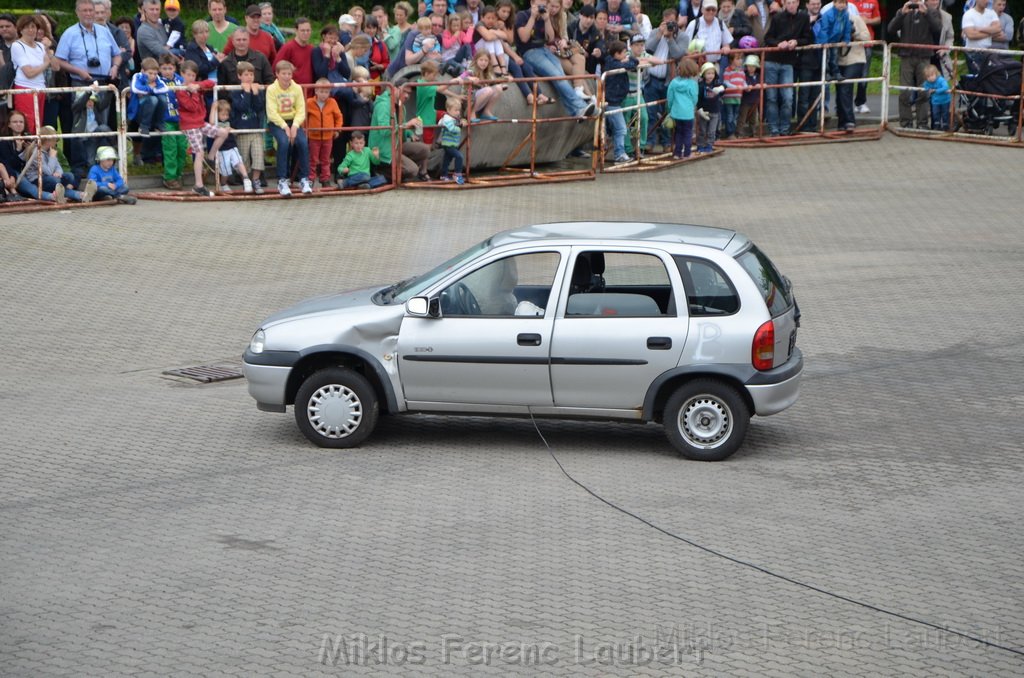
(195, 125)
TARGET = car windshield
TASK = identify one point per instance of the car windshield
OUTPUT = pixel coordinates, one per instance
(774, 288)
(404, 290)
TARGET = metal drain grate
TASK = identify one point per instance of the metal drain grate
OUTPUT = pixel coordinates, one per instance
(208, 373)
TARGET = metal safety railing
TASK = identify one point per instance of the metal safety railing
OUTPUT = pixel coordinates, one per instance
(971, 116)
(973, 108)
(508, 172)
(38, 119)
(218, 89)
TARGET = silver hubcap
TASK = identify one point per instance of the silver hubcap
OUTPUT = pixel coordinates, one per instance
(335, 411)
(705, 421)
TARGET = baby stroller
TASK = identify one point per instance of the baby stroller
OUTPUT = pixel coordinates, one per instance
(981, 114)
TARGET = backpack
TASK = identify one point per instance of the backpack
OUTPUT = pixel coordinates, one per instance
(691, 28)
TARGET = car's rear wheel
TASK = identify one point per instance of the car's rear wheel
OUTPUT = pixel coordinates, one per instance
(336, 407)
(706, 420)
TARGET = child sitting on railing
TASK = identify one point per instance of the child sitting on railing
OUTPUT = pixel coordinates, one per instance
(148, 103)
(484, 96)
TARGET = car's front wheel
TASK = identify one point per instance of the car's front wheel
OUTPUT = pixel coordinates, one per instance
(706, 420)
(336, 407)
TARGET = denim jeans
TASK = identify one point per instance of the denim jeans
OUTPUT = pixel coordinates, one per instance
(707, 132)
(523, 71)
(546, 65)
(452, 154)
(152, 109)
(30, 189)
(90, 144)
(102, 190)
(682, 139)
(730, 115)
(940, 116)
(844, 94)
(805, 96)
(655, 90)
(861, 97)
(363, 178)
(284, 148)
(778, 101)
(617, 129)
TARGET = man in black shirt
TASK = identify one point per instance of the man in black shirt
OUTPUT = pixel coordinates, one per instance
(788, 30)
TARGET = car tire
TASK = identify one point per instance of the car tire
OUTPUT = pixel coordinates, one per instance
(706, 420)
(336, 407)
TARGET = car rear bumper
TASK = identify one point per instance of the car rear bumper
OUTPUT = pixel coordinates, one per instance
(777, 389)
(267, 385)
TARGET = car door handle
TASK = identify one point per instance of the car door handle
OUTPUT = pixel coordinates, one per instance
(528, 339)
(659, 343)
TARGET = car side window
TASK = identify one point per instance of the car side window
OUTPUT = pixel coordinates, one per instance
(623, 284)
(514, 286)
(708, 290)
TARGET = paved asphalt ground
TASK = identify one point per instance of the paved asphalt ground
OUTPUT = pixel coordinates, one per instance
(151, 526)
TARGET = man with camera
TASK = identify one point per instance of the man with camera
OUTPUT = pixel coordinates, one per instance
(533, 35)
(88, 53)
(915, 24)
(667, 43)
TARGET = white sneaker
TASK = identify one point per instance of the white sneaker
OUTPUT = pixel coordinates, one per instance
(224, 188)
(306, 186)
(863, 108)
(247, 185)
(282, 187)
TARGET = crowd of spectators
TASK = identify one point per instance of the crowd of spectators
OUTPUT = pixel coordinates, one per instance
(156, 55)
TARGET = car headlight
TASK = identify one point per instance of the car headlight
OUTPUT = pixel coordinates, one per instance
(257, 342)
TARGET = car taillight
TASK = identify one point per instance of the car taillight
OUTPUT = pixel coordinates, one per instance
(762, 351)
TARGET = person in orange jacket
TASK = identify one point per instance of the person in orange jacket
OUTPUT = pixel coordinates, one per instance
(323, 125)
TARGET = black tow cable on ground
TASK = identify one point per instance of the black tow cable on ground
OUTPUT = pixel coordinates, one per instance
(763, 570)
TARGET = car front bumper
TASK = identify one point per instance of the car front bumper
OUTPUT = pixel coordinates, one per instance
(267, 378)
(777, 389)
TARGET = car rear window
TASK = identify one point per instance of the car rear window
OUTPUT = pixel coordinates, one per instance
(762, 271)
(708, 290)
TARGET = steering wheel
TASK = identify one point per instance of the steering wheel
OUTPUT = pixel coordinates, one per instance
(464, 301)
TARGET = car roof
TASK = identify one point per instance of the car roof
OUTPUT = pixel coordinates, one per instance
(594, 231)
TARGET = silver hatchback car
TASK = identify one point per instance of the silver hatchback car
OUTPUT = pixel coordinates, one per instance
(690, 326)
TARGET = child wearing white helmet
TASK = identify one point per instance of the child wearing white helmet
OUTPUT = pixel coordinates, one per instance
(709, 106)
(750, 104)
(109, 183)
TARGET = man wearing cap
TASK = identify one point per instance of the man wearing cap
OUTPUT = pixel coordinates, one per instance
(711, 30)
(227, 72)
(346, 28)
(88, 53)
(259, 40)
(299, 52)
(174, 26)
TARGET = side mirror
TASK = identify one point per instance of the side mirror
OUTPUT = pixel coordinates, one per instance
(422, 307)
